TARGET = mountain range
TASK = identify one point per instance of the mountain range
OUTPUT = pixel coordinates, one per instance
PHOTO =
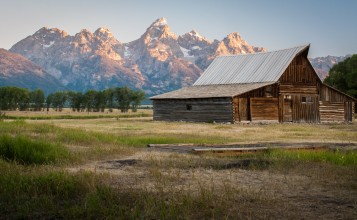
(322, 65)
(157, 62)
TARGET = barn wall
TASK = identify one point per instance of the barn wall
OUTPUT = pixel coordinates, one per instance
(264, 109)
(298, 83)
(332, 111)
(331, 95)
(299, 73)
(305, 111)
(335, 106)
(194, 110)
(257, 105)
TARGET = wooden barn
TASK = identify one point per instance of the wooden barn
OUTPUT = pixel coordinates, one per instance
(277, 86)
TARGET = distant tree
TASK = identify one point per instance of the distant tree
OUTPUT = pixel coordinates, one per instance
(37, 98)
(90, 99)
(12, 98)
(100, 103)
(343, 76)
(49, 101)
(76, 101)
(123, 97)
(58, 100)
(136, 98)
(23, 99)
(109, 95)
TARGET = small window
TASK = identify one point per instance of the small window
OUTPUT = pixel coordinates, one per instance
(287, 97)
(306, 99)
(189, 107)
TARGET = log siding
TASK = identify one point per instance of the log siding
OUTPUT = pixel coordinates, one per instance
(201, 110)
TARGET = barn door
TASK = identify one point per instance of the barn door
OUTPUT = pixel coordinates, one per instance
(288, 105)
(243, 109)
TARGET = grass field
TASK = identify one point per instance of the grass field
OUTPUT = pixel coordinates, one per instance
(100, 168)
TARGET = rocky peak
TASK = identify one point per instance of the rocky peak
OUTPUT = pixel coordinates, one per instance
(51, 32)
(159, 22)
(234, 36)
(193, 41)
(159, 30)
(104, 33)
(84, 36)
(235, 44)
(195, 35)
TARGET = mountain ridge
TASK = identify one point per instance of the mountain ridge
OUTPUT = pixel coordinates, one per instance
(16, 70)
(158, 61)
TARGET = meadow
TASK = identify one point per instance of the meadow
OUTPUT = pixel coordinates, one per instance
(69, 165)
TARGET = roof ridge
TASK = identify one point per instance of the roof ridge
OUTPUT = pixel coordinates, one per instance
(250, 54)
(229, 84)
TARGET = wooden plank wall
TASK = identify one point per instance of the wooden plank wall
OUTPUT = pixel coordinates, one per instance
(298, 89)
(299, 72)
(244, 109)
(305, 112)
(203, 110)
(261, 92)
(332, 111)
(235, 109)
(299, 80)
(328, 94)
(264, 109)
(348, 111)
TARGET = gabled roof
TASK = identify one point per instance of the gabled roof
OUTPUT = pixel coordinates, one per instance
(211, 91)
(232, 75)
(249, 68)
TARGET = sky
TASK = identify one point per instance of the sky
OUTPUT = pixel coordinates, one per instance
(330, 26)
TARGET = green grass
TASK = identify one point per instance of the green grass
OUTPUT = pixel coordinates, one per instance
(338, 157)
(26, 151)
(90, 138)
(50, 192)
(51, 117)
(96, 145)
(41, 194)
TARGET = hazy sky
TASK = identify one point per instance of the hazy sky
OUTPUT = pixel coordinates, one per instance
(329, 25)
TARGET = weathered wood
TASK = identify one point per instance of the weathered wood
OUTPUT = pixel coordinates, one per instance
(299, 72)
(264, 109)
(243, 109)
(253, 149)
(194, 110)
(332, 111)
(236, 109)
(296, 88)
(331, 95)
(186, 148)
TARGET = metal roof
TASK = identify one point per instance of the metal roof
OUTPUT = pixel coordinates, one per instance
(211, 91)
(249, 68)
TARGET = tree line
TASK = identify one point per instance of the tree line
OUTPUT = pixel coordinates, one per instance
(122, 98)
(343, 76)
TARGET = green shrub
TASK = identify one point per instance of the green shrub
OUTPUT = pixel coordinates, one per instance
(26, 151)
